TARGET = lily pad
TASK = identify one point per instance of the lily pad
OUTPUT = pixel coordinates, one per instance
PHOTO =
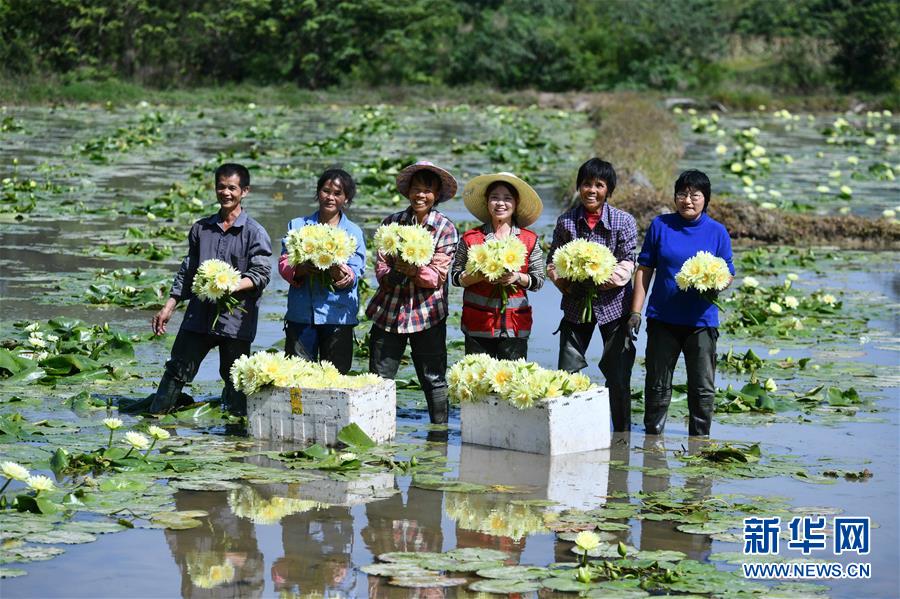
(177, 520)
(505, 586)
(425, 582)
(449, 564)
(210, 485)
(514, 572)
(398, 569)
(408, 556)
(61, 536)
(29, 553)
(12, 572)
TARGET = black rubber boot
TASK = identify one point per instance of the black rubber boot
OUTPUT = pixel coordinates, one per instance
(700, 419)
(234, 402)
(438, 405)
(620, 410)
(655, 418)
(167, 394)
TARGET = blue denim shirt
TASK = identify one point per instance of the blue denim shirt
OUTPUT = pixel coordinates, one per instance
(313, 303)
(245, 246)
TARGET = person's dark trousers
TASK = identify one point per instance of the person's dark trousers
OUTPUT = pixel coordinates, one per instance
(187, 353)
(615, 364)
(429, 356)
(501, 348)
(664, 344)
(314, 342)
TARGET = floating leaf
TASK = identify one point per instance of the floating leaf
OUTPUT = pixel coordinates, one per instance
(515, 572)
(424, 582)
(68, 537)
(503, 586)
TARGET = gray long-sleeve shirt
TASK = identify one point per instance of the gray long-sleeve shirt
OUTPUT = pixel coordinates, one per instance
(247, 247)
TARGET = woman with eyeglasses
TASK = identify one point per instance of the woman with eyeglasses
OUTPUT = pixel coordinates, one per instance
(679, 321)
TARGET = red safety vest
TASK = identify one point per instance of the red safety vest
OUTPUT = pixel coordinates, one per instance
(481, 315)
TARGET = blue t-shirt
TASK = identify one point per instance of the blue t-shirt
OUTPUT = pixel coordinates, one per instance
(313, 303)
(670, 241)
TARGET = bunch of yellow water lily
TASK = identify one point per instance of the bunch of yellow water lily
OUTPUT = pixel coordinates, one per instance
(411, 243)
(247, 503)
(582, 260)
(209, 569)
(704, 272)
(251, 373)
(497, 518)
(215, 281)
(494, 258)
(322, 245)
(519, 382)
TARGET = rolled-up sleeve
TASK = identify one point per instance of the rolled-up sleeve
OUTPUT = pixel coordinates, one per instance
(434, 274)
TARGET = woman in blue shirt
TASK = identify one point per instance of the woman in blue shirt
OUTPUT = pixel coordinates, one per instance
(320, 318)
(679, 321)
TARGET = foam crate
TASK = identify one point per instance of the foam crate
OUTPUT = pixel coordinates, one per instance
(553, 426)
(317, 415)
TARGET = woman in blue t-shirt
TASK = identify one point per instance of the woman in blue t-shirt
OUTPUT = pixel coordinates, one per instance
(679, 321)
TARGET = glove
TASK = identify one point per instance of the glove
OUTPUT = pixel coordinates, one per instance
(634, 324)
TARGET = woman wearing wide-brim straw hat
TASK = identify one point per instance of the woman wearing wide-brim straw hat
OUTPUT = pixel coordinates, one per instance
(496, 316)
(411, 304)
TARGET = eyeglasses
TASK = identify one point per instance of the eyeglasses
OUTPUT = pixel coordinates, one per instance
(695, 197)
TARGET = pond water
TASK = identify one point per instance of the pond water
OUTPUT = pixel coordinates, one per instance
(311, 536)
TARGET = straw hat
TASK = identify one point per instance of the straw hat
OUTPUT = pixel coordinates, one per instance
(448, 183)
(528, 209)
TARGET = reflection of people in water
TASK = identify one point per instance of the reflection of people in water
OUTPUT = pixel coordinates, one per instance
(410, 525)
(317, 546)
(661, 534)
(220, 558)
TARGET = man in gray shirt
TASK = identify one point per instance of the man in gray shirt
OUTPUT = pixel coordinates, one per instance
(232, 236)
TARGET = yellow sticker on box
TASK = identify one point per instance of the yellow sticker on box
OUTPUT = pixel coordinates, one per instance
(296, 400)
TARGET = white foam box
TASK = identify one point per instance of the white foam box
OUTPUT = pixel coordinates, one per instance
(573, 480)
(552, 426)
(317, 415)
(369, 486)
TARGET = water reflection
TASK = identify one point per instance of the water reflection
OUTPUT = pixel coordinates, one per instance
(220, 558)
(656, 478)
(407, 521)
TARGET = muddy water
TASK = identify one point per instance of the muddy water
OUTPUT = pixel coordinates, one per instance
(319, 551)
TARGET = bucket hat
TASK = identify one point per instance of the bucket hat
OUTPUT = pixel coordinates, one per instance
(448, 183)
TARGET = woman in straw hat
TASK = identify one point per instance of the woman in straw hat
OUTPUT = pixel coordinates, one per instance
(496, 317)
(411, 301)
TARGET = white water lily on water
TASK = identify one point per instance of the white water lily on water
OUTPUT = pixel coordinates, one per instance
(112, 423)
(39, 483)
(587, 540)
(823, 189)
(791, 302)
(749, 282)
(14, 471)
(160, 434)
(775, 308)
(770, 385)
(137, 440)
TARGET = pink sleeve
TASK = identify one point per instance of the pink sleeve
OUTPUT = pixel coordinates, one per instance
(286, 270)
(622, 273)
(382, 268)
(433, 274)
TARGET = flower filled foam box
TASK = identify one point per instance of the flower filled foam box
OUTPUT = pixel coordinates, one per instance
(289, 399)
(520, 406)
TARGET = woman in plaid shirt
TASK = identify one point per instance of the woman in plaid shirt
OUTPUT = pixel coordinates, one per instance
(411, 302)
(595, 220)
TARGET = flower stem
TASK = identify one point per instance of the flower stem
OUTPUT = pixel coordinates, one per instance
(109, 444)
(149, 449)
(6, 484)
(130, 449)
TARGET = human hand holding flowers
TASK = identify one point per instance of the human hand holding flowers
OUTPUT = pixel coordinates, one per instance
(410, 270)
(341, 276)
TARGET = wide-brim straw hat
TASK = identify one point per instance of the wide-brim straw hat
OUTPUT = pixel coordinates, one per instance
(448, 183)
(528, 208)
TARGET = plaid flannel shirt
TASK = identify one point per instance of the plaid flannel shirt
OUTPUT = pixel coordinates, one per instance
(617, 230)
(409, 305)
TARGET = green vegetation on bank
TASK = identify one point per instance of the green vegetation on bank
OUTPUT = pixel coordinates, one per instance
(733, 46)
